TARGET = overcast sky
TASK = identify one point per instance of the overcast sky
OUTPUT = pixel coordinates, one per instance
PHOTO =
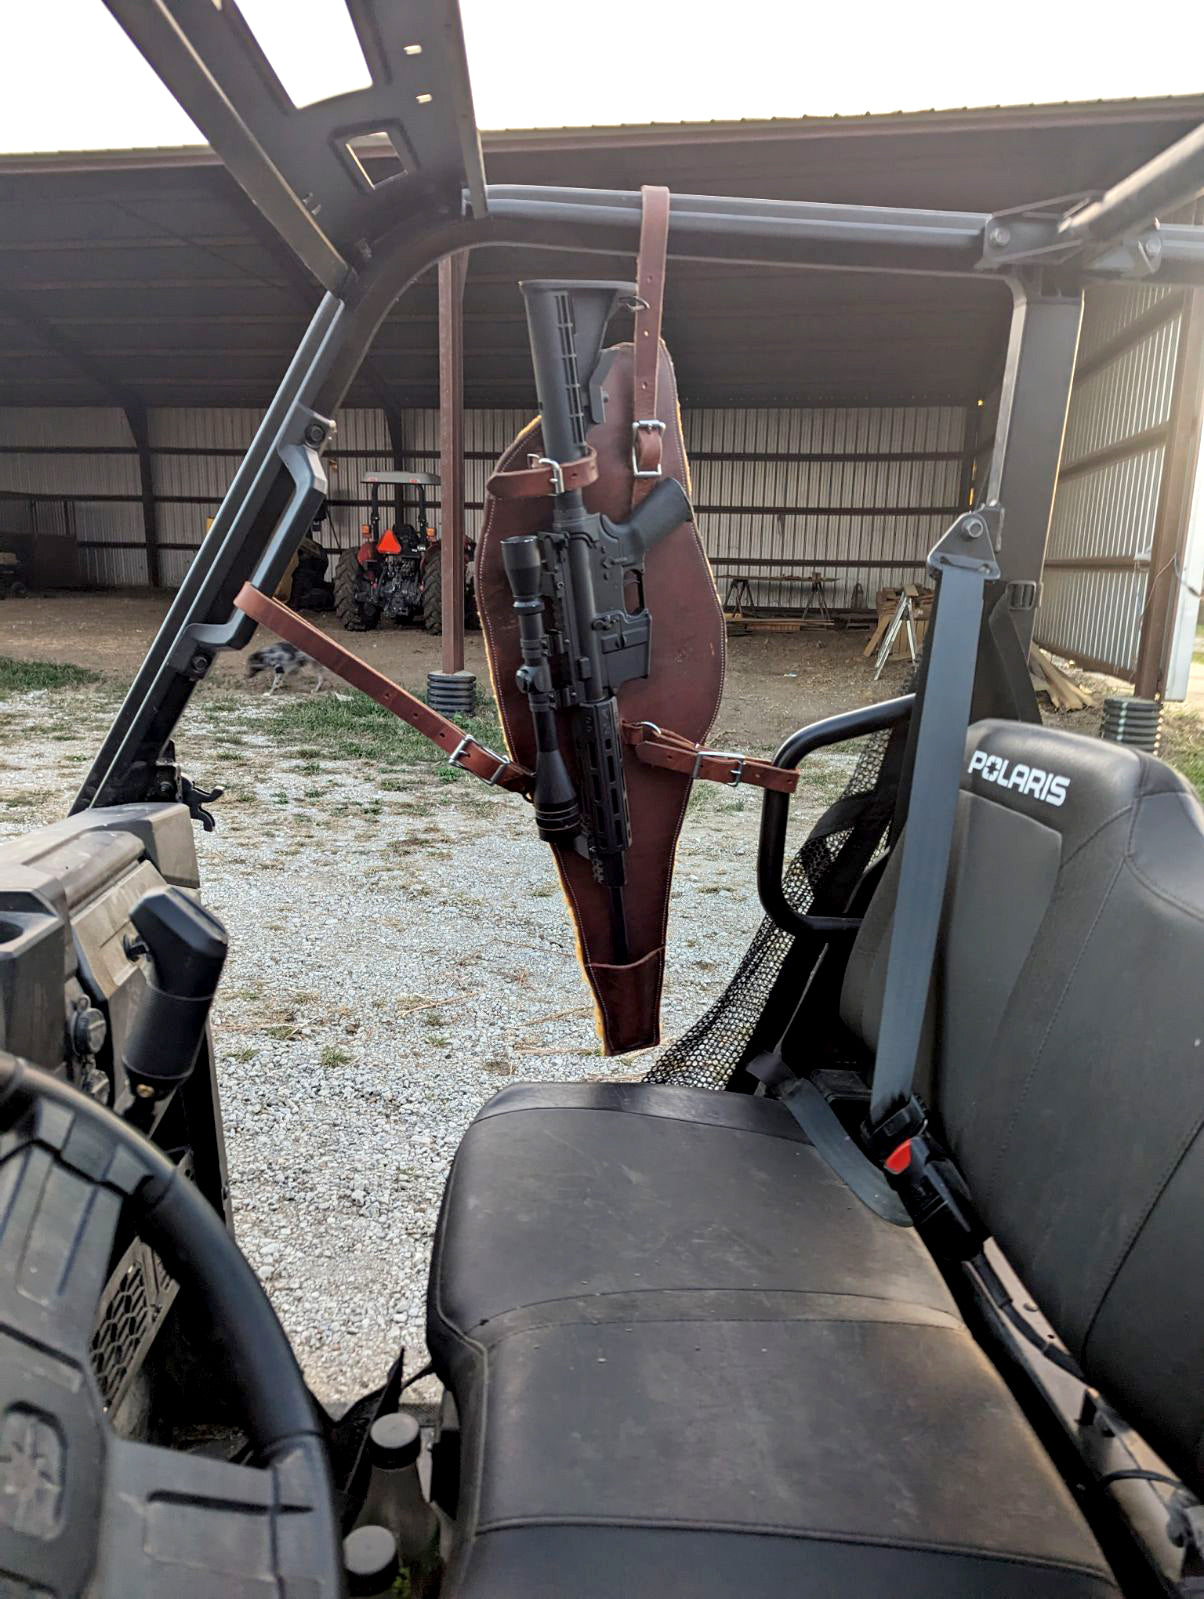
(72, 81)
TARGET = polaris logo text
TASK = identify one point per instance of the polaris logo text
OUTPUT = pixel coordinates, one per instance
(1034, 780)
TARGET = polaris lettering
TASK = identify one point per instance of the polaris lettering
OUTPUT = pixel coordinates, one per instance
(1051, 787)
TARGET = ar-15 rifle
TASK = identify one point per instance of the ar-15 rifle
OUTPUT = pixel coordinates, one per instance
(572, 586)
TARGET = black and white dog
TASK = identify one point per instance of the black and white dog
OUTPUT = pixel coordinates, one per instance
(282, 660)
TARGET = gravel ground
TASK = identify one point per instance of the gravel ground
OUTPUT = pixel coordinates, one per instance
(399, 951)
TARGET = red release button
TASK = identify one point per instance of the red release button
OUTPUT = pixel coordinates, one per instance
(899, 1159)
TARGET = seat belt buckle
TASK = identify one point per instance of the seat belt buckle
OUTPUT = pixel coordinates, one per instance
(935, 1196)
(882, 1138)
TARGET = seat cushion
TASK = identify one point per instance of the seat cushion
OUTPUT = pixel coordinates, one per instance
(687, 1359)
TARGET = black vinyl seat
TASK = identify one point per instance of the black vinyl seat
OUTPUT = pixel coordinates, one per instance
(688, 1360)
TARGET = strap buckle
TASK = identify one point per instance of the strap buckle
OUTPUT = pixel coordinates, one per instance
(647, 424)
(557, 478)
(454, 759)
(700, 755)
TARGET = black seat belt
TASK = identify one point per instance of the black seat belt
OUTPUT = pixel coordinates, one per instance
(963, 561)
(920, 1175)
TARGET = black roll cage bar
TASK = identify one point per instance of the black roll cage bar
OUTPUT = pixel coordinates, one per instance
(365, 244)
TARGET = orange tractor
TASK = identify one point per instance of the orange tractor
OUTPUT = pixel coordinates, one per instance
(396, 572)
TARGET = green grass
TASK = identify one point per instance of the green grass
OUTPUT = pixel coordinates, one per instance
(359, 729)
(331, 1055)
(1183, 747)
(22, 677)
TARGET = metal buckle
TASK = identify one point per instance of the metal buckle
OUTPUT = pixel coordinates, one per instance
(557, 473)
(650, 424)
(454, 758)
(737, 776)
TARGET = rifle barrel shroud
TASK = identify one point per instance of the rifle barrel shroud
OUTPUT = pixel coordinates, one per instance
(583, 572)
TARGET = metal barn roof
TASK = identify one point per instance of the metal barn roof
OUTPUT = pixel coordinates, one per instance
(147, 277)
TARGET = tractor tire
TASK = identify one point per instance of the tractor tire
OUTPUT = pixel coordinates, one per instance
(432, 589)
(432, 594)
(356, 618)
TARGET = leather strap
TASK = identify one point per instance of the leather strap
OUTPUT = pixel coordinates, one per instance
(534, 481)
(650, 282)
(460, 746)
(652, 745)
(656, 746)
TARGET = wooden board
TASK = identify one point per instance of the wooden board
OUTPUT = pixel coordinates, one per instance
(1063, 692)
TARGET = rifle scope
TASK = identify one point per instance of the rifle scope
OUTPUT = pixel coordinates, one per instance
(557, 810)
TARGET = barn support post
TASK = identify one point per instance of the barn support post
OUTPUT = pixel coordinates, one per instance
(135, 416)
(451, 455)
(397, 443)
(1035, 397)
(1164, 586)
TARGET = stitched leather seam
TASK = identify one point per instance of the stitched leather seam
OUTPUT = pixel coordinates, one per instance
(793, 1136)
(1094, 834)
(947, 1324)
(776, 1530)
(1164, 894)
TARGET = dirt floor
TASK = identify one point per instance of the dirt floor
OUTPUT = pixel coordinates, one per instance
(775, 681)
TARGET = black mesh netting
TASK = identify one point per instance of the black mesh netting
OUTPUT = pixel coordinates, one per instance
(710, 1051)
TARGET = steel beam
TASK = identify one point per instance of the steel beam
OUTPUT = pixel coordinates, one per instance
(452, 270)
(397, 443)
(1172, 514)
(135, 416)
(1172, 178)
(803, 233)
(169, 50)
(1035, 395)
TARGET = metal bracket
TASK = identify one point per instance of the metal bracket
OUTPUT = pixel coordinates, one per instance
(1033, 236)
(970, 544)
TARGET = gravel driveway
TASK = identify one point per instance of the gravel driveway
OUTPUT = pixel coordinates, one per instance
(399, 951)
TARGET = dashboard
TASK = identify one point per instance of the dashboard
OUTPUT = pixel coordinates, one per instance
(75, 977)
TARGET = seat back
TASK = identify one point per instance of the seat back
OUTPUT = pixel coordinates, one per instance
(1065, 1051)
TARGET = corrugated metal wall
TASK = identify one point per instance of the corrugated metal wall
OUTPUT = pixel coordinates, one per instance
(859, 494)
(1098, 557)
(73, 470)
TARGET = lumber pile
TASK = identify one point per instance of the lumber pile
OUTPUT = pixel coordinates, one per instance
(1064, 694)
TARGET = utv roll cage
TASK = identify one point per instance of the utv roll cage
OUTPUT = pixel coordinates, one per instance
(365, 242)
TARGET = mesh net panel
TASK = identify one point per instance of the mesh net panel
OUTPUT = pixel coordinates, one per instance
(708, 1054)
